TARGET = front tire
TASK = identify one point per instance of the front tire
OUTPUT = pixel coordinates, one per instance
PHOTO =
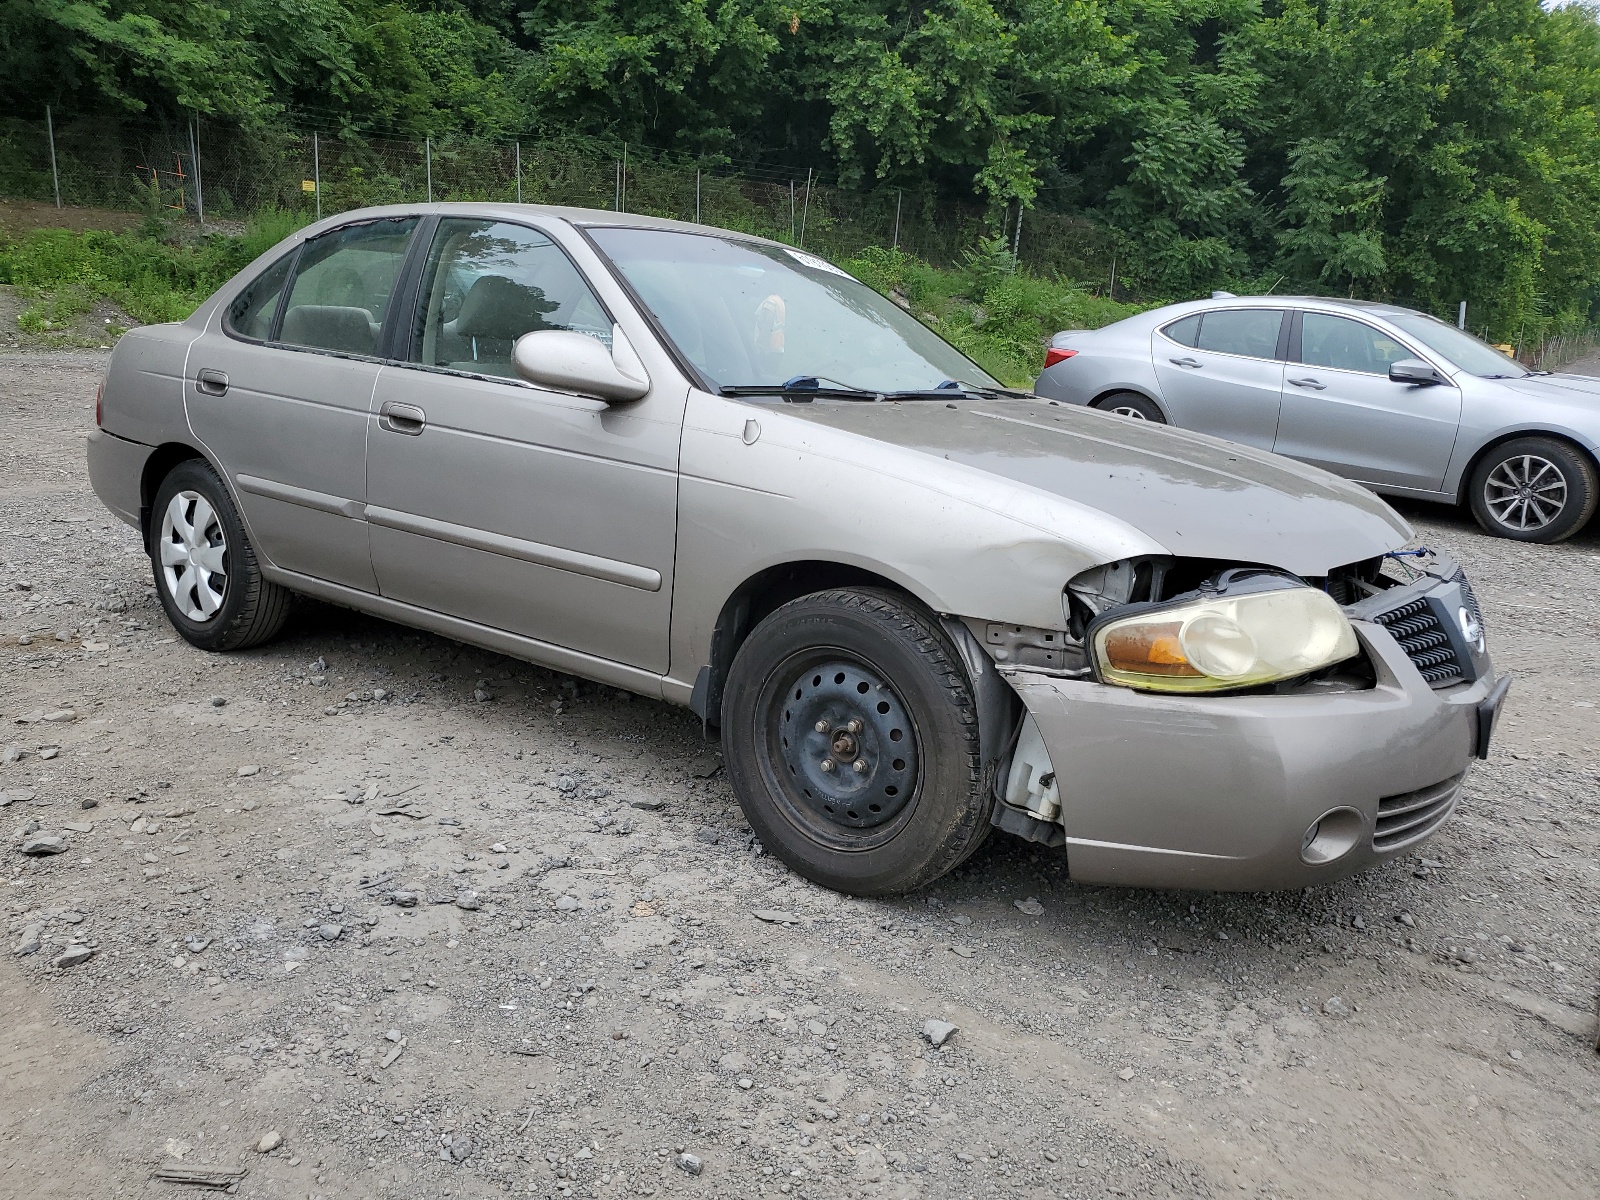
(205, 568)
(850, 736)
(1534, 489)
(1133, 406)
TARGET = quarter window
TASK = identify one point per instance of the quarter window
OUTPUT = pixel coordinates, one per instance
(485, 285)
(1346, 345)
(1249, 332)
(250, 315)
(342, 287)
(1185, 332)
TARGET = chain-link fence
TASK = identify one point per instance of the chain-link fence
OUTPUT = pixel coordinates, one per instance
(220, 176)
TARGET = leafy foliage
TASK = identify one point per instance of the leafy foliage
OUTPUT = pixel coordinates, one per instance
(1425, 150)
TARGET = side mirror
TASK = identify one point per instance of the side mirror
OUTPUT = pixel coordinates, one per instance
(1416, 372)
(576, 362)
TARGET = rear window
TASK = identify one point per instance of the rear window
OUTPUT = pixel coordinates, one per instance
(1185, 332)
(1248, 332)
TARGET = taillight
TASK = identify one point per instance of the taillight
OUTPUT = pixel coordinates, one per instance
(1053, 356)
(99, 405)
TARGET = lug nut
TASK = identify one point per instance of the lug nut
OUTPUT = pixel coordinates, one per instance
(826, 764)
(821, 727)
(853, 726)
(859, 766)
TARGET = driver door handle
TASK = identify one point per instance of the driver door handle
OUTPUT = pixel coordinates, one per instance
(1315, 385)
(211, 382)
(402, 418)
(1189, 363)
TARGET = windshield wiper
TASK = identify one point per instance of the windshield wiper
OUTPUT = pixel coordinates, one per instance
(803, 385)
(950, 388)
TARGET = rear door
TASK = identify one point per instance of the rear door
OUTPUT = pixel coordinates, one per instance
(1342, 412)
(279, 392)
(533, 511)
(1221, 372)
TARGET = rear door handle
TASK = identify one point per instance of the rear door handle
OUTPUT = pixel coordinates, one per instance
(402, 418)
(1190, 363)
(210, 382)
(1316, 385)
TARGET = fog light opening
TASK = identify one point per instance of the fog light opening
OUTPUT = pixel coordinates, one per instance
(1331, 836)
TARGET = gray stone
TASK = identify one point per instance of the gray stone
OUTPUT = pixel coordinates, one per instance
(246, 772)
(938, 1032)
(31, 939)
(44, 843)
(12, 753)
(566, 784)
(776, 916)
(404, 899)
(269, 1142)
(468, 902)
(331, 932)
(461, 1148)
(692, 1163)
(72, 956)
(1334, 1006)
(218, 701)
(1029, 907)
(647, 803)
(568, 903)
(704, 766)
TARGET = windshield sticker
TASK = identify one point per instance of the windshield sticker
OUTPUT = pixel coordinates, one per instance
(815, 263)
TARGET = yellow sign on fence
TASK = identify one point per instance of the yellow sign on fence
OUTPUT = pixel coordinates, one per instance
(307, 185)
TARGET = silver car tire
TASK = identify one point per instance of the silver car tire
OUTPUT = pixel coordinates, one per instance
(889, 796)
(1534, 489)
(1133, 406)
(206, 573)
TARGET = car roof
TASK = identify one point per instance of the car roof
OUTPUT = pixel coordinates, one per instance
(1377, 308)
(590, 218)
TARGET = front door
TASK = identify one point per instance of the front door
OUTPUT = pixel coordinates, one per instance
(1220, 373)
(1342, 412)
(532, 511)
(279, 393)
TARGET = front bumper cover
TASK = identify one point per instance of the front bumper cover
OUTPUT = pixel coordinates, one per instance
(1217, 793)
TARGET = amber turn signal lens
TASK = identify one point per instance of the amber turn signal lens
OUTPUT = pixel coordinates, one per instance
(1148, 650)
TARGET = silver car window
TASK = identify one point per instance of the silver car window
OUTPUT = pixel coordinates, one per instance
(1346, 345)
(250, 315)
(1185, 332)
(342, 284)
(745, 313)
(485, 285)
(1460, 347)
(1248, 332)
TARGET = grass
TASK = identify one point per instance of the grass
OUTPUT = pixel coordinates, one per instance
(999, 316)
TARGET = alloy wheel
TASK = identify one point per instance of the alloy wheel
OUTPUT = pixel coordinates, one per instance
(1125, 411)
(1525, 492)
(194, 556)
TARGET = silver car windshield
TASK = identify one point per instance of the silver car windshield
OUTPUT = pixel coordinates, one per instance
(753, 315)
(1465, 351)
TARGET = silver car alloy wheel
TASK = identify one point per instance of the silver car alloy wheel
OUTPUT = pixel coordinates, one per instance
(1123, 411)
(1525, 492)
(194, 563)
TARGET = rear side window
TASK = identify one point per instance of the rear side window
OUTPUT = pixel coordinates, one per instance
(486, 284)
(1185, 332)
(250, 315)
(342, 286)
(1249, 332)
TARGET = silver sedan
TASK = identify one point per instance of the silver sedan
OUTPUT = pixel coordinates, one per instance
(1392, 398)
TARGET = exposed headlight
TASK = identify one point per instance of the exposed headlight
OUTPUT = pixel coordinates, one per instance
(1223, 642)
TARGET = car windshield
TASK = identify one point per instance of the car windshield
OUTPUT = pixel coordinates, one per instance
(753, 315)
(1467, 352)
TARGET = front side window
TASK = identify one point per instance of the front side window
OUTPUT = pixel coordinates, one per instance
(342, 286)
(1248, 332)
(485, 285)
(250, 315)
(1346, 345)
(749, 314)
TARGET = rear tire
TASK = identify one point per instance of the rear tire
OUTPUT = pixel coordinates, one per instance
(1133, 406)
(205, 568)
(1534, 489)
(850, 736)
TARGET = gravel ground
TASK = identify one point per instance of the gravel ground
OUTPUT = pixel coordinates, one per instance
(443, 924)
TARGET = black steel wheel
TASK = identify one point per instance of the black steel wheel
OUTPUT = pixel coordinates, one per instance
(1133, 406)
(1534, 489)
(851, 740)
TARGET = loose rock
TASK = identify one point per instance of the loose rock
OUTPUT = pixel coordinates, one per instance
(938, 1032)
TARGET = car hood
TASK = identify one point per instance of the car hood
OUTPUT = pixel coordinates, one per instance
(1577, 391)
(1195, 495)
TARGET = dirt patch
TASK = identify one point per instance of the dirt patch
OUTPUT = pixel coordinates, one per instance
(96, 329)
(22, 216)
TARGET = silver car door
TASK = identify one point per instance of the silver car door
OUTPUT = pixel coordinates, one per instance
(279, 393)
(540, 513)
(1220, 372)
(1342, 412)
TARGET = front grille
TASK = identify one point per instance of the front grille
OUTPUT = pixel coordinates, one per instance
(1416, 627)
(1470, 596)
(1412, 816)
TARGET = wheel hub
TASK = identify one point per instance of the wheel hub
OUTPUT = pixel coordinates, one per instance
(848, 745)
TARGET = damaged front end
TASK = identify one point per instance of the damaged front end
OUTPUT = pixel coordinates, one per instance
(1187, 632)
